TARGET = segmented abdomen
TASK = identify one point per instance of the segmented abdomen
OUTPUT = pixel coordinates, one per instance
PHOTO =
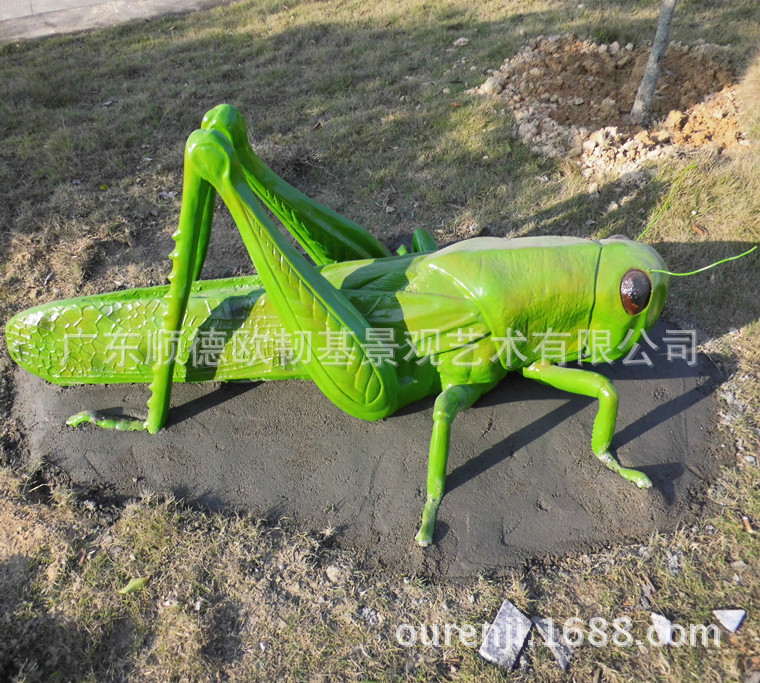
(230, 332)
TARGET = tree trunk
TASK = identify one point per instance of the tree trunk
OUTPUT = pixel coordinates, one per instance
(642, 106)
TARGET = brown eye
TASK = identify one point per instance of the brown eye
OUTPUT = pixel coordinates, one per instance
(635, 291)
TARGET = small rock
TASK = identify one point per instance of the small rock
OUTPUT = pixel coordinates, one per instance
(589, 145)
(676, 120)
(506, 636)
(643, 138)
(614, 48)
(552, 636)
(371, 616)
(593, 188)
(493, 85)
(663, 627)
(731, 619)
(719, 114)
(674, 563)
(625, 59)
(535, 72)
(592, 66)
(602, 49)
(661, 136)
(629, 46)
(526, 131)
(461, 42)
(333, 573)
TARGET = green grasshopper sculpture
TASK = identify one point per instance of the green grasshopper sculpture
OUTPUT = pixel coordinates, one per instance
(451, 322)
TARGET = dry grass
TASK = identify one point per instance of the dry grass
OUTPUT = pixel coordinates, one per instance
(362, 105)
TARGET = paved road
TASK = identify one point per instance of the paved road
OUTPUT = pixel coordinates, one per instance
(25, 19)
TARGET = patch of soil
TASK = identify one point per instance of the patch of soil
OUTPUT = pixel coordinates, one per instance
(573, 98)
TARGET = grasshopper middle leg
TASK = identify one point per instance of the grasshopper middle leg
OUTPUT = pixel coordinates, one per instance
(448, 405)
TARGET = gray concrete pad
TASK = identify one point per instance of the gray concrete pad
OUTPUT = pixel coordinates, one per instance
(522, 480)
(26, 19)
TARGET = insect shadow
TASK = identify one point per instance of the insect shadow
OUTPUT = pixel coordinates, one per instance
(225, 392)
(703, 375)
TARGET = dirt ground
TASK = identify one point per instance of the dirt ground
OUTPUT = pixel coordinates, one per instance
(523, 482)
(371, 115)
(573, 98)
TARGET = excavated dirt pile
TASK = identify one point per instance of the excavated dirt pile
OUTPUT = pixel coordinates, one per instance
(572, 98)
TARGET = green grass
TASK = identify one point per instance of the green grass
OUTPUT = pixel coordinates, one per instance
(361, 105)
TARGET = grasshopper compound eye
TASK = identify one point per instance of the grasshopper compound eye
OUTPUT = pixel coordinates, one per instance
(635, 291)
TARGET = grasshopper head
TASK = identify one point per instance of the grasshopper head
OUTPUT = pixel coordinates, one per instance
(629, 297)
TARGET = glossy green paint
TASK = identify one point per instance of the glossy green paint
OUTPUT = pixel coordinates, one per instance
(451, 322)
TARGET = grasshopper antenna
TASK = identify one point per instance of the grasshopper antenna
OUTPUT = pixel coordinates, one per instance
(712, 265)
(664, 208)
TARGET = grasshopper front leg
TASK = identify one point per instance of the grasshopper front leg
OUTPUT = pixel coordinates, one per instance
(448, 405)
(587, 383)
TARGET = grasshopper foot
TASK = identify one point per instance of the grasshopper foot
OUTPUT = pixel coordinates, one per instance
(107, 422)
(424, 536)
(639, 478)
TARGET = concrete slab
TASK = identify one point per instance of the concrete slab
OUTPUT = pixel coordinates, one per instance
(522, 480)
(26, 19)
(12, 9)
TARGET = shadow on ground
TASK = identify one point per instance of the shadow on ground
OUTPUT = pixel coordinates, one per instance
(43, 645)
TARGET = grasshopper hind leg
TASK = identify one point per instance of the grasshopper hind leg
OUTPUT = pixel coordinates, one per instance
(191, 243)
(122, 424)
(324, 234)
